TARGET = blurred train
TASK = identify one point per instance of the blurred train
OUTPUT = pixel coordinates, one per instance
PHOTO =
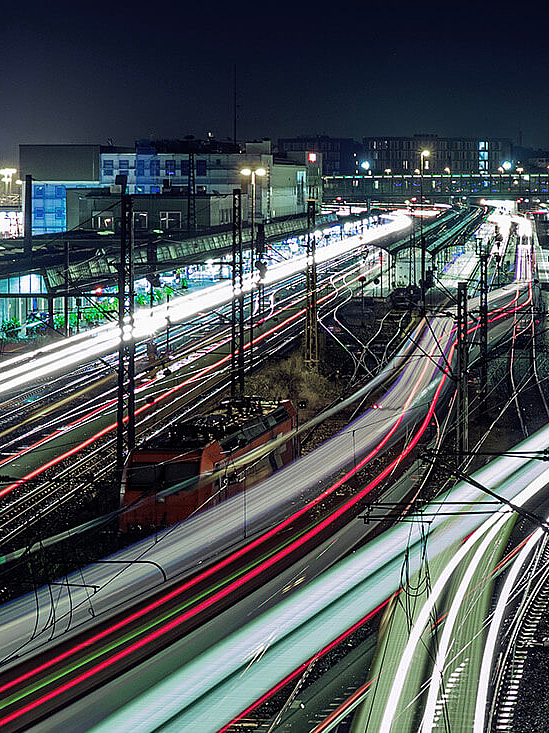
(196, 446)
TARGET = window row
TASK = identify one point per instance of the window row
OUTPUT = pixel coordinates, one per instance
(40, 213)
(152, 167)
(49, 191)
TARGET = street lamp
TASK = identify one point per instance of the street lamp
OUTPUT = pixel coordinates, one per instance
(387, 171)
(447, 170)
(252, 174)
(520, 171)
(365, 165)
(424, 154)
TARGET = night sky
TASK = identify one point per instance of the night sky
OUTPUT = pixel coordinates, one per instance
(87, 72)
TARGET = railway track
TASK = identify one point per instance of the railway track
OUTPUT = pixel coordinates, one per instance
(33, 499)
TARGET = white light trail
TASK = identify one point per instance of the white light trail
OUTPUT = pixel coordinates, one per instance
(74, 349)
(493, 632)
(446, 638)
(402, 671)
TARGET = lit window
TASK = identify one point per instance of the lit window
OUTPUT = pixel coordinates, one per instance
(140, 220)
(170, 220)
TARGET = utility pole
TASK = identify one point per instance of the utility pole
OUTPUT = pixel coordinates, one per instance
(66, 298)
(311, 314)
(424, 154)
(237, 329)
(260, 251)
(483, 331)
(125, 440)
(27, 246)
(234, 105)
(462, 417)
(191, 197)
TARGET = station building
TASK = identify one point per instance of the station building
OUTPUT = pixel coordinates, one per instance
(208, 169)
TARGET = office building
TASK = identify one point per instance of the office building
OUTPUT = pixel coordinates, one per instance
(446, 154)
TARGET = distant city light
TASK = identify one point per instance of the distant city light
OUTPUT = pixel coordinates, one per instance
(365, 164)
(312, 157)
(506, 165)
(7, 174)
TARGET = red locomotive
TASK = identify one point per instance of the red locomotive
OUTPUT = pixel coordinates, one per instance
(196, 446)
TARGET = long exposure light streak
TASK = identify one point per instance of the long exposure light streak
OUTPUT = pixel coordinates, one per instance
(361, 494)
(255, 571)
(531, 490)
(104, 339)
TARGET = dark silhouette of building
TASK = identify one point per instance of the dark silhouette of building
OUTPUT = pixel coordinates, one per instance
(340, 155)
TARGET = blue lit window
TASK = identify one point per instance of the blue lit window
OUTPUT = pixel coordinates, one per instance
(155, 189)
(123, 164)
(59, 192)
(39, 213)
(200, 167)
(38, 191)
(59, 214)
(170, 167)
(108, 167)
(155, 168)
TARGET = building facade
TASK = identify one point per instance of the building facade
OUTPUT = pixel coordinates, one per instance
(99, 210)
(208, 167)
(446, 154)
